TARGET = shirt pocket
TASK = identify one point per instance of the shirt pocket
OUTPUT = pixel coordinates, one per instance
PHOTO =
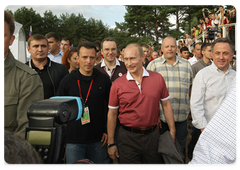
(10, 111)
(9, 101)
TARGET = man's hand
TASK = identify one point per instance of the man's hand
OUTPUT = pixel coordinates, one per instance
(159, 125)
(113, 153)
(173, 134)
(104, 139)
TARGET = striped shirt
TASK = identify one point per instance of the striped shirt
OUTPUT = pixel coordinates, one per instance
(178, 78)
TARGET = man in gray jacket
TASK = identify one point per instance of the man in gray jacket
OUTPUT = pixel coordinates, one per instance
(22, 85)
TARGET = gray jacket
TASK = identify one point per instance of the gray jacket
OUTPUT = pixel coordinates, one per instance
(22, 86)
(170, 151)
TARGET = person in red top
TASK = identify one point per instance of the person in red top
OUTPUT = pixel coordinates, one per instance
(208, 23)
(136, 95)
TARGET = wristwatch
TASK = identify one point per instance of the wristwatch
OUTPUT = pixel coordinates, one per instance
(110, 145)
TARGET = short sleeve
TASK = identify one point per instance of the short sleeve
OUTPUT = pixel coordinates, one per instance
(113, 97)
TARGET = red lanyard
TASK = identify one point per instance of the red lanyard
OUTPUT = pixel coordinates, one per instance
(80, 91)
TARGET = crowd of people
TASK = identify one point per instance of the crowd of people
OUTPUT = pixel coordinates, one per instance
(210, 25)
(131, 98)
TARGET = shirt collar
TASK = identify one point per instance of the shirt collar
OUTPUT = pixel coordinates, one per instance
(178, 59)
(59, 54)
(104, 65)
(48, 64)
(218, 70)
(145, 74)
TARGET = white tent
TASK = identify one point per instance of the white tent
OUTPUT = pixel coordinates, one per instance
(18, 48)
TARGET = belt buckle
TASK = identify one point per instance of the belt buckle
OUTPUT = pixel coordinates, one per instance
(143, 131)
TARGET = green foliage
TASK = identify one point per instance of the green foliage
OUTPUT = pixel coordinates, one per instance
(143, 23)
(28, 17)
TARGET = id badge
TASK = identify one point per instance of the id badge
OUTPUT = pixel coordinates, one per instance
(86, 116)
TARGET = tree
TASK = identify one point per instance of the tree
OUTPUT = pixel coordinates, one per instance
(28, 17)
(148, 22)
(73, 26)
(50, 23)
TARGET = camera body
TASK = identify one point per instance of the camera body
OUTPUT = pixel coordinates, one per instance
(47, 125)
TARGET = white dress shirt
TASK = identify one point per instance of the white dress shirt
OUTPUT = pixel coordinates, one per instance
(193, 60)
(209, 89)
(107, 70)
(217, 143)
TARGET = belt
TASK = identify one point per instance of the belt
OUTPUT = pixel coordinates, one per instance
(140, 131)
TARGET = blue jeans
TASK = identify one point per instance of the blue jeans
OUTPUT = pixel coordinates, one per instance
(92, 151)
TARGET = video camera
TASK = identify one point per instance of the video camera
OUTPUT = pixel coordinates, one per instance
(212, 33)
(47, 125)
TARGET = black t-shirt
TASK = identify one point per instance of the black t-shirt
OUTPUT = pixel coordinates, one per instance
(48, 86)
(97, 104)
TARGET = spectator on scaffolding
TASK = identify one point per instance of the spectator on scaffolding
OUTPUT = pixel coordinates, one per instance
(220, 14)
(205, 10)
(194, 33)
(219, 34)
(202, 28)
(188, 39)
(208, 23)
(203, 24)
(184, 40)
(233, 20)
(213, 20)
(226, 21)
(181, 44)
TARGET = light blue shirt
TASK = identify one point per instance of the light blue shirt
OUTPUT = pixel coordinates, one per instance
(57, 58)
(217, 143)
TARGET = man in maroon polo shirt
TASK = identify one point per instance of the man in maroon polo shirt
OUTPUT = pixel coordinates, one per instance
(136, 95)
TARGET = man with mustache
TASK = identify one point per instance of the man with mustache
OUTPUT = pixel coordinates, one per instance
(50, 72)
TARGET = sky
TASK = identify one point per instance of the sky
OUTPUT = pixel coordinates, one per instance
(107, 11)
(109, 14)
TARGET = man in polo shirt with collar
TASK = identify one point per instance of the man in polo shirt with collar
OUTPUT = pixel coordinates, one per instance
(136, 96)
(110, 65)
(55, 53)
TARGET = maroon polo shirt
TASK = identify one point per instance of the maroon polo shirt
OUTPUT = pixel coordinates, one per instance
(138, 104)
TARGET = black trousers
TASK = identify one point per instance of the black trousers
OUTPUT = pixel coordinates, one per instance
(135, 148)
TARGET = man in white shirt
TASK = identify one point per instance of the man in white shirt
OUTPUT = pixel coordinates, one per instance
(198, 54)
(217, 143)
(55, 53)
(211, 84)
